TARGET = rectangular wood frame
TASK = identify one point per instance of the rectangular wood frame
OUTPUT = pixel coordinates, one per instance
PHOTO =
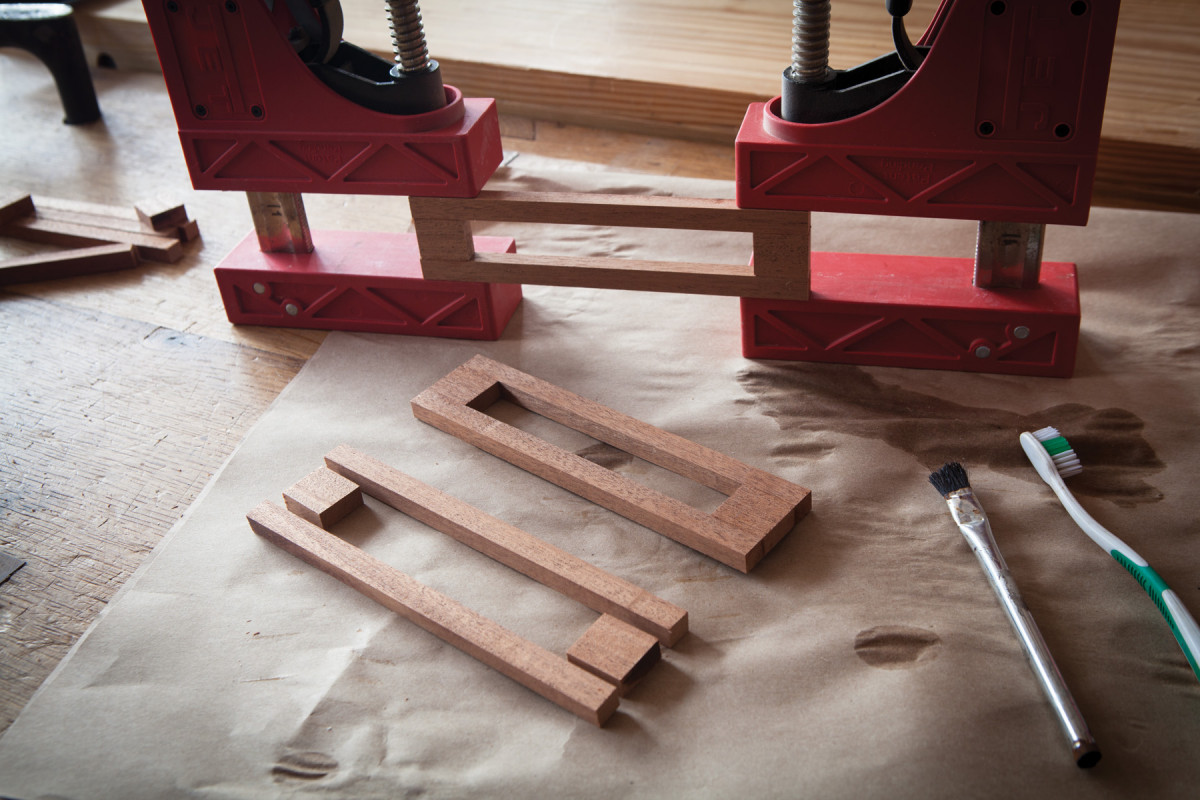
(778, 270)
(760, 510)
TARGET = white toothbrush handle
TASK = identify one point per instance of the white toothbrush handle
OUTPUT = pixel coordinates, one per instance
(1183, 625)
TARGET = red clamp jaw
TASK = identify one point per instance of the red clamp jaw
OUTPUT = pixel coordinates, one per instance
(253, 116)
(1000, 123)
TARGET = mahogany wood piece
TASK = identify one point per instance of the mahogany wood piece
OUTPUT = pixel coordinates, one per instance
(14, 205)
(323, 497)
(512, 546)
(67, 263)
(39, 228)
(551, 676)
(761, 508)
(780, 271)
(615, 651)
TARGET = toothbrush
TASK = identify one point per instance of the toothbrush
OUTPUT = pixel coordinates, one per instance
(1054, 459)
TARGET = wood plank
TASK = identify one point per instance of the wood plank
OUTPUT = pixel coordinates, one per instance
(677, 277)
(511, 546)
(534, 667)
(67, 263)
(618, 210)
(738, 540)
(73, 234)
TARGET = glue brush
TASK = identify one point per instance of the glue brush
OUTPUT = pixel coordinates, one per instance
(951, 481)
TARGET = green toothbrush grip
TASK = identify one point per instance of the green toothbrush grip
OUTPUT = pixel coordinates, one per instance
(1187, 633)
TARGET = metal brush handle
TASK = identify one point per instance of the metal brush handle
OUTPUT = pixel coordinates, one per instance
(1083, 746)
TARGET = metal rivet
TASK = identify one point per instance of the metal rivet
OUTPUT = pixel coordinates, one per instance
(1021, 332)
(292, 309)
(983, 351)
(260, 289)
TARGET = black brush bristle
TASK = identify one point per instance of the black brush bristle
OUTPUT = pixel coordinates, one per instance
(950, 478)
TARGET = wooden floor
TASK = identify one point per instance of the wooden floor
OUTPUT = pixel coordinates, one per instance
(122, 394)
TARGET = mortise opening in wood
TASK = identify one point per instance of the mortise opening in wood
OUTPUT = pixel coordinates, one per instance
(778, 270)
(760, 510)
(509, 411)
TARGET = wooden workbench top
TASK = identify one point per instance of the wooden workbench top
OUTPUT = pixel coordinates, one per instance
(688, 70)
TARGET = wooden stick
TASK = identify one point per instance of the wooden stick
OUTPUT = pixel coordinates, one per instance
(37, 229)
(615, 273)
(512, 546)
(67, 263)
(551, 676)
(781, 271)
(761, 508)
(618, 210)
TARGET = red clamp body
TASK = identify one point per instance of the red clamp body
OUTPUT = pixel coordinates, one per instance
(253, 117)
(1000, 122)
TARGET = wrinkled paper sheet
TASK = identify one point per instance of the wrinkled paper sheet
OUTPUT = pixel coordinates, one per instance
(866, 656)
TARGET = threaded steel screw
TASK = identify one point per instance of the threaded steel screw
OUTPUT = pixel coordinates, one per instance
(810, 41)
(408, 36)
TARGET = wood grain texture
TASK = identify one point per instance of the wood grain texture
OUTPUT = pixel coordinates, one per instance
(738, 534)
(615, 651)
(68, 263)
(322, 497)
(534, 667)
(40, 228)
(441, 223)
(98, 461)
(689, 71)
(511, 546)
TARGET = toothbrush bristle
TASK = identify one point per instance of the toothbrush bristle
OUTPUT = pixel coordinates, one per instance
(1065, 460)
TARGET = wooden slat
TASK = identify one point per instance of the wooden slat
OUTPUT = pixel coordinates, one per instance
(512, 546)
(534, 667)
(67, 263)
(73, 234)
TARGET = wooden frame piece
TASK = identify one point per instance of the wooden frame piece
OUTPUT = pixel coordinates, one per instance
(535, 668)
(323, 497)
(779, 269)
(615, 651)
(511, 546)
(761, 508)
